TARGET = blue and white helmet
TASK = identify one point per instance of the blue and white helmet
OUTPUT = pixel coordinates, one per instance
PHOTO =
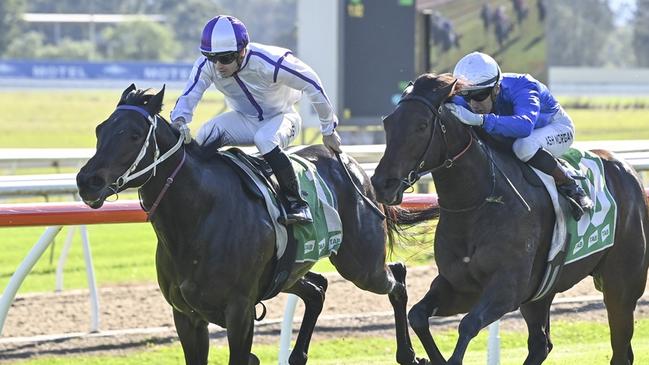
(479, 70)
(224, 33)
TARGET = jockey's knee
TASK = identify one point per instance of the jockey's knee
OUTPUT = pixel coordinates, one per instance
(264, 144)
(524, 149)
(208, 132)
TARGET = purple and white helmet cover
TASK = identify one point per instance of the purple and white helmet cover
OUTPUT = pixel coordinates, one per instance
(224, 33)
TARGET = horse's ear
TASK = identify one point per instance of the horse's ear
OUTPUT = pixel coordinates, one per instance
(447, 91)
(127, 91)
(154, 106)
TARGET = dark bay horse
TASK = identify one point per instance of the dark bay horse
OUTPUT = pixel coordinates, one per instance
(492, 253)
(216, 244)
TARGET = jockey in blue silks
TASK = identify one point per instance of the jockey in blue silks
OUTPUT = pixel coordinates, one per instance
(261, 84)
(520, 107)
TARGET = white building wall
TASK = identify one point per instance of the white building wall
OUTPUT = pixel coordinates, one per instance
(318, 27)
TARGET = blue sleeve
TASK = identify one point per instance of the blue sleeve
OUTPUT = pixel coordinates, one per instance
(526, 106)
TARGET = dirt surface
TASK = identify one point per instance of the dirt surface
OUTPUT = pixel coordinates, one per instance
(132, 317)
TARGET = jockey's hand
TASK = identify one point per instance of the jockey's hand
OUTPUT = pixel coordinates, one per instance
(182, 127)
(332, 141)
(465, 115)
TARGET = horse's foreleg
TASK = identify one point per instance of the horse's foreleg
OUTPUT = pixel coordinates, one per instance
(537, 317)
(239, 322)
(441, 300)
(311, 289)
(193, 337)
(499, 297)
(399, 300)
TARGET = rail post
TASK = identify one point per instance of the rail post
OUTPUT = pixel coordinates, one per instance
(23, 270)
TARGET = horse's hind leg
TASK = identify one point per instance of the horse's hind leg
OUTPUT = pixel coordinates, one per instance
(620, 303)
(537, 317)
(624, 276)
(194, 338)
(623, 286)
(311, 289)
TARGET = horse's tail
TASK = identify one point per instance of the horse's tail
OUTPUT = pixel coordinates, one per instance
(400, 219)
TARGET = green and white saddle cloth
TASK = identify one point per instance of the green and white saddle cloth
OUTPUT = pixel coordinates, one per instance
(322, 237)
(314, 240)
(595, 230)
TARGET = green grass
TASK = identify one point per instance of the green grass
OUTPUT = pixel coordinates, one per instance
(607, 124)
(575, 343)
(47, 118)
(122, 253)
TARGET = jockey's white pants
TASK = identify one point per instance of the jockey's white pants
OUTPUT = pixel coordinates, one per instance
(237, 129)
(556, 137)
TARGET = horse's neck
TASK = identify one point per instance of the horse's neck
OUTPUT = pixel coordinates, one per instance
(468, 181)
(185, 187)
(182, 205)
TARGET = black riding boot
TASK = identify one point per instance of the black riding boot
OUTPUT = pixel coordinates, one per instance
(566, 184)
(297, 210)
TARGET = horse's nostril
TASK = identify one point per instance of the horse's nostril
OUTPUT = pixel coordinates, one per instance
(90, 181)
(95, 182)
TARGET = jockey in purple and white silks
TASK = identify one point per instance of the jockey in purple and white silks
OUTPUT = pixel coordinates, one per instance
(261, 85)
(520, 107)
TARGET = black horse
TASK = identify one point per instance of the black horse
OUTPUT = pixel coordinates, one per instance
(216, 244)
(492, 254)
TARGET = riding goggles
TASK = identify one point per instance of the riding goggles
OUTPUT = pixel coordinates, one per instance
(476, 95)
(224, 58)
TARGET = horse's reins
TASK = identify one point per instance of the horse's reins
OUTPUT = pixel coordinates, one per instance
(130, 173)
(358, 190)
(415, 174)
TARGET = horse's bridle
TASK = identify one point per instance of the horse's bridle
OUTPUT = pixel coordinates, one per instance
(417, 173)
(131, 174)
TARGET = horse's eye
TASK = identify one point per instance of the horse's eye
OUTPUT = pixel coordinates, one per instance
(422, 127)
(135, 137)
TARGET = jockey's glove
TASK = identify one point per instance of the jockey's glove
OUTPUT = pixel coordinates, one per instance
(332, 141)
(465, 115)
(180, 125)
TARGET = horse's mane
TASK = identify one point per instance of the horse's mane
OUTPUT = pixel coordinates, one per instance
(430, 81)
(209, 150)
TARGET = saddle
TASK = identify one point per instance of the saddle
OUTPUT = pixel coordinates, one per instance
(264, 172)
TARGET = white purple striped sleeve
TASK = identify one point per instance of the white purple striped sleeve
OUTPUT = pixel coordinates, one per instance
(199, 80)
(297, 75)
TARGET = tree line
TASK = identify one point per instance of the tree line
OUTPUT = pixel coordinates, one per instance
(174, 39)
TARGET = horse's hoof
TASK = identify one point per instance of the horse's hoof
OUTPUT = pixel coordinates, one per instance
(422, 361)
(253, 360)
